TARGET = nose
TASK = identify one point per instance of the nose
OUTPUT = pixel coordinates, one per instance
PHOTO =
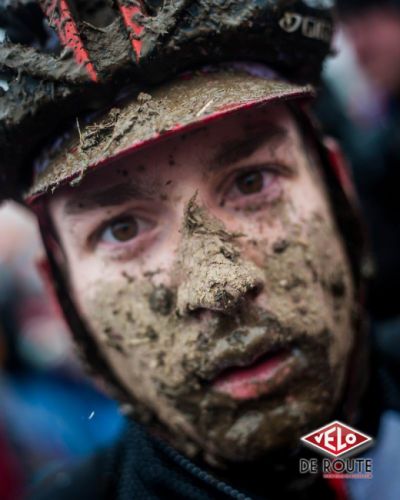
(212, 274)
(224, 292)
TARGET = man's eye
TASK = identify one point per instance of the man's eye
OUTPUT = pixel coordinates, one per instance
(258, 184)
(120, 230)
(250, 183)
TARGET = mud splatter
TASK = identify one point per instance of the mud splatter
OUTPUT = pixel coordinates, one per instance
(216, 277)
(29, 61)
(168, 342)
(161, 300)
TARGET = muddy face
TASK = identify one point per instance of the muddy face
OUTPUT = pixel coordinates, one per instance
(212, 275)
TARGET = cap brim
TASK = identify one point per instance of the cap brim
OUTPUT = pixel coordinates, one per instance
(178, 106)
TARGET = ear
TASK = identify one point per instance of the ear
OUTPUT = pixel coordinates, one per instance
(341, 168)
(44, 269)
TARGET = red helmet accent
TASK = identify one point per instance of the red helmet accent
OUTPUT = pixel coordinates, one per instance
(130, 14)
(60, 15)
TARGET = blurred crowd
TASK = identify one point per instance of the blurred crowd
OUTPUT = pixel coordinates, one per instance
(360, 107)
(49, 411)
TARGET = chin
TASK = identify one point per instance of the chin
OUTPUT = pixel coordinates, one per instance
(258, 434)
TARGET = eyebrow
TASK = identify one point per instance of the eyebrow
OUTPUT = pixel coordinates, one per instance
(235, 151)
(112, 196)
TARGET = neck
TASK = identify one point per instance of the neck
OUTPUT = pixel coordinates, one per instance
(276, 476)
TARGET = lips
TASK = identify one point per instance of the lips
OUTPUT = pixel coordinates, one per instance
(243, 347)
(260, 378)
(253, 361)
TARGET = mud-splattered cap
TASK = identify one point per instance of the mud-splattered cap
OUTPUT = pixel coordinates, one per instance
(188, 101)
(100, 47)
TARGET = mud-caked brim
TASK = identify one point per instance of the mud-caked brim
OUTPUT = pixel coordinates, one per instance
(187, 102)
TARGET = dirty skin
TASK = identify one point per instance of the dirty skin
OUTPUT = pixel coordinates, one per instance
(183, 336)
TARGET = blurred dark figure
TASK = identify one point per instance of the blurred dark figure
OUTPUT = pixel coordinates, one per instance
(373, 27)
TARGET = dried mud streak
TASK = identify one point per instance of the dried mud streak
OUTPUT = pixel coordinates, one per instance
(17, 103)
(42, 66)
(198, 18)
(17, 120)
(99, 13)
(109, 47)
(195, 27)
(309, 306)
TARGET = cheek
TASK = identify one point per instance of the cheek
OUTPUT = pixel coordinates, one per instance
(128, 315)
(270, 229)
(136, 327)
(308, 283)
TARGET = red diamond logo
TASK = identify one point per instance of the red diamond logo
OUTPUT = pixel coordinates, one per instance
(337, 439)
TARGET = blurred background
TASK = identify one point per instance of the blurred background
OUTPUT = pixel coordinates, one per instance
(50, 413)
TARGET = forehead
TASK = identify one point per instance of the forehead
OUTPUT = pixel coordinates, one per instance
(226, 141)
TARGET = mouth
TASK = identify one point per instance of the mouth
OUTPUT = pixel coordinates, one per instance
(263, 377)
